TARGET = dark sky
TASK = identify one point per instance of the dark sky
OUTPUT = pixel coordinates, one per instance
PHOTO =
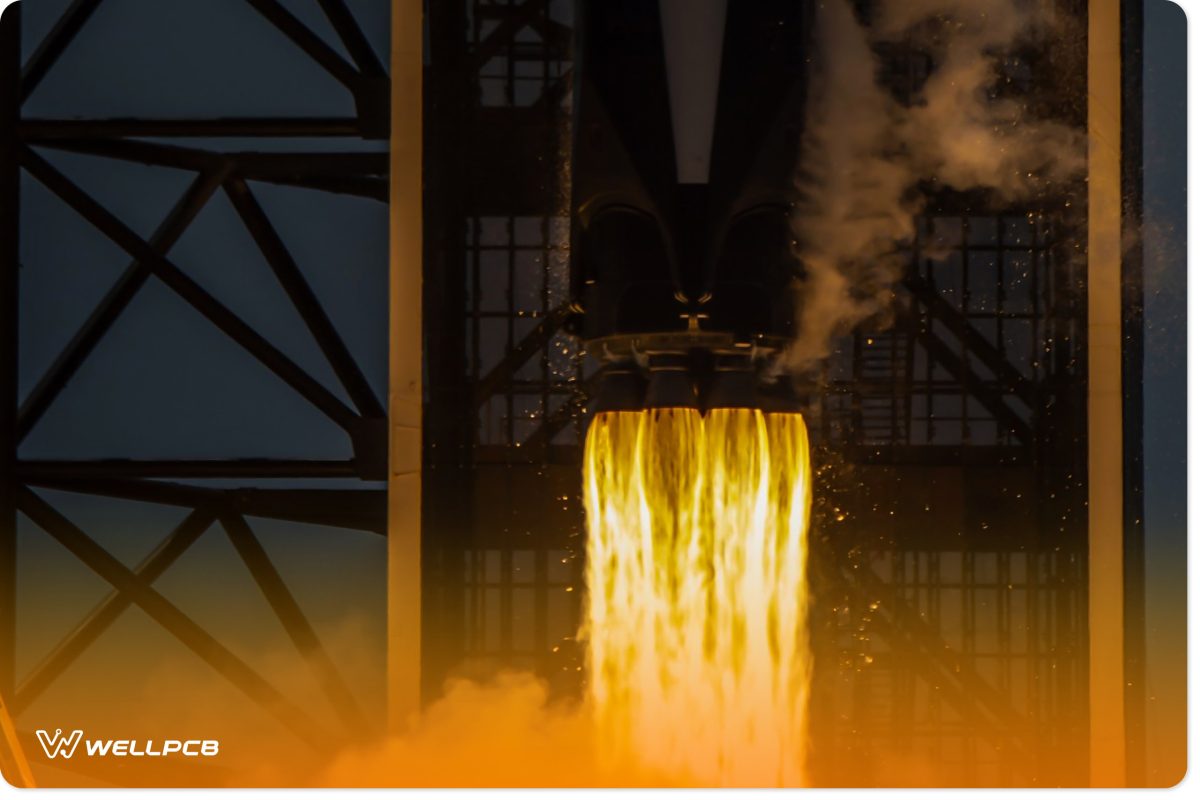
(1165, 249)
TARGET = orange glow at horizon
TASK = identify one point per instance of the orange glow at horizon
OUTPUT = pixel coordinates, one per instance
(696, 620)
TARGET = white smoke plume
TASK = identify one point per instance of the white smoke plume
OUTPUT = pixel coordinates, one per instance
(865, 153)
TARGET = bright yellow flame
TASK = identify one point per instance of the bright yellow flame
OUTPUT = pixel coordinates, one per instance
(697, 610)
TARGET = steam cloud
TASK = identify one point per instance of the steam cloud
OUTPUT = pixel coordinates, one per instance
(506, 730)
(866, 153)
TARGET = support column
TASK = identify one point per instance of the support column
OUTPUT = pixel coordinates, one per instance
(1133, 359)
(449, 481)
(10, 263)
(405, 394)
(13, 762)
(1106, 484)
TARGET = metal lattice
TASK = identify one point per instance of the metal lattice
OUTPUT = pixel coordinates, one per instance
(241, 163)
(945, 630)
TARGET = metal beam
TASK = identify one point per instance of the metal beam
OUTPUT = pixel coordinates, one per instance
(180, 625)
(1132, 364)
(556, 92)
(250, 164)
(446, 424)
(352, 37)
(10, 266)
(991, 399)
(369, 188)
(262, 166)
(36, 470)
(295, 623)
(513, 20)
(955, 666)
(558, 419)
(938, 454)
(229, 323)
(353, 509)
(1105, 406)
(535, 340)
(406, 373)
(942, 311)
(110, 307)
(137, 151)
(38, 130)
(909, 634)
(303, 298)
(100, 618)
(339, 173)
(357, 174)
(309, 42)
(566, 413)
(56, 42)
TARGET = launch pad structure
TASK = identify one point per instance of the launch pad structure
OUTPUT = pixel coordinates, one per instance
(969, 612)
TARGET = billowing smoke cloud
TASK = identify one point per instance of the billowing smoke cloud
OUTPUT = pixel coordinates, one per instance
(506, 732)
(503, 730)
(866, 153)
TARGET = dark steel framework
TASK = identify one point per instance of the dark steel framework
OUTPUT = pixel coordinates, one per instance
(336, 166)
(952, 614)
(950, 445)
(1132, 362)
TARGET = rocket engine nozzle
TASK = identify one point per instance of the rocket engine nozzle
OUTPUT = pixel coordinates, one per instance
(683, 275)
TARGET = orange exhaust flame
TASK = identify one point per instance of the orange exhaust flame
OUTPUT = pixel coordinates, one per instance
(696, 619)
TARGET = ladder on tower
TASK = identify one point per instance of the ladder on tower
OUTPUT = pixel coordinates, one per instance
(883, 376)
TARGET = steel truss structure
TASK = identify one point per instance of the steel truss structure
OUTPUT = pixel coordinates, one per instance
(950, 561)
(328, 160)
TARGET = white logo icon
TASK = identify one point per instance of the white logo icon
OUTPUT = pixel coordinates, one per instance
(58, 744)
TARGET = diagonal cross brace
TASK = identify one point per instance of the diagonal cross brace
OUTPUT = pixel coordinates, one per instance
(314, 46)
(295, 623)
(303, 298)
(534, 341)
(963, 688)
(106, 613)
(976, 343)
(233, 326)
(516, 18)
(114, 303)
(55, 44)
(351, 34)
(179, 624)
(993, 401)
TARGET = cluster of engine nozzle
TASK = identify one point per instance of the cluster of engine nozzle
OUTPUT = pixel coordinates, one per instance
(695, 378)
(683, 195)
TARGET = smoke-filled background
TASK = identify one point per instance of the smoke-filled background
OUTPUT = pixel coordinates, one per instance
(868, 155)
